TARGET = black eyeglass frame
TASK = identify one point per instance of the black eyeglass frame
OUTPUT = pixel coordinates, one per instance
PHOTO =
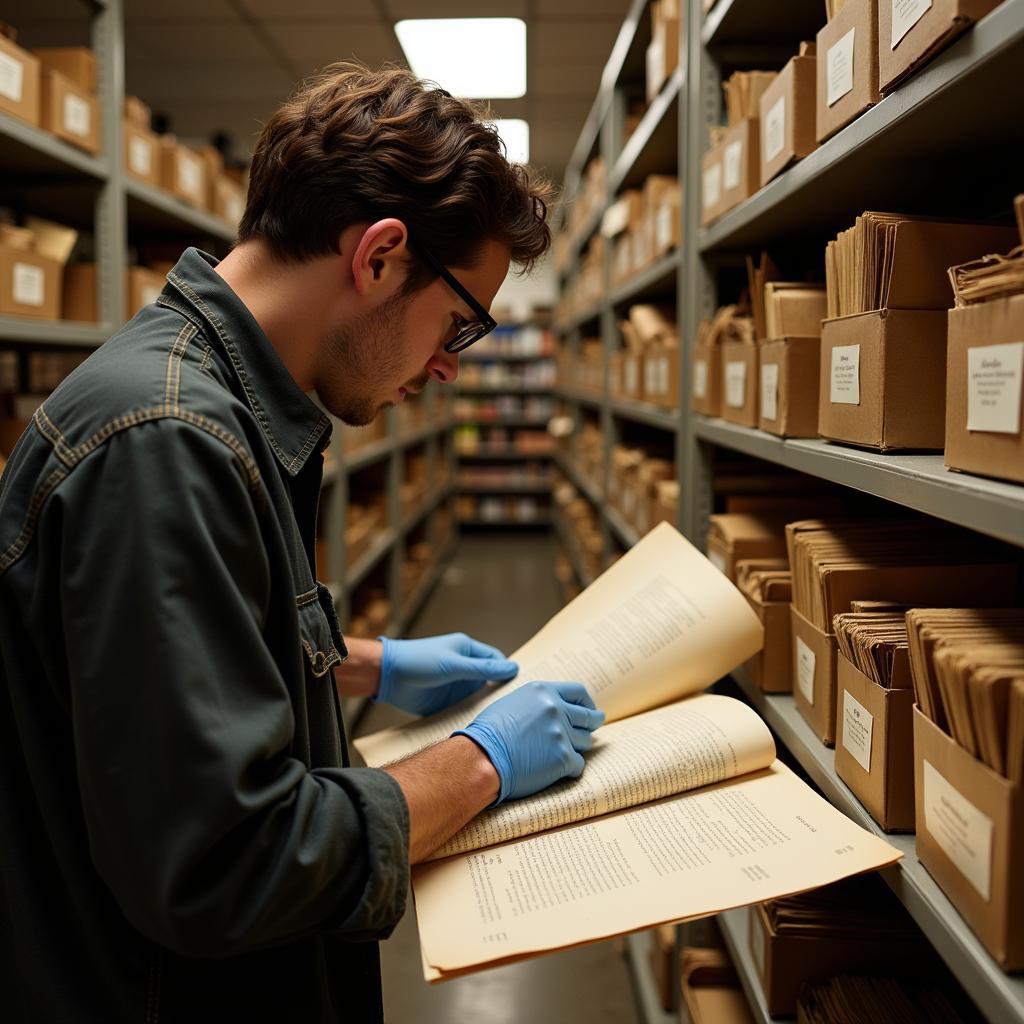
(474, 331)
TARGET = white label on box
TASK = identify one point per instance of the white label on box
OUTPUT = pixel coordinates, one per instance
(140, 156)
(28, 285)
(905, 15)
(770, 391)
(650, 377)
(190, 175)
(845, 375)
(839, 66)
(12, 76)
(994, 377)
(775, 129)
(735, 384)
(805, 670)
(963, 832)
(663, 228)
(77, 116)
(712, 185)
(858, 724)
(731, 161)
(663, 387)
(630, 375)
(717, 559)
(700, 378)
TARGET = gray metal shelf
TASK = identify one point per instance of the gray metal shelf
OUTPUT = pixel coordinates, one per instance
(368, 454)
(503, 389)
(504, 521)
(999, 996)
(732, 22)
(580, 397)
(29, 150)
(733, 925)
(571, 549)
(152, 209)
(502, 454)
(379, 547)
(659, 278)
(644, 412)
(626, 533)
(655, 140)
(525, 487)
(580, 482)
(924, 118)
(513, 422)
(648, 1001)
(575, 322)
(53, 333)
(423, 591)
(920, 482)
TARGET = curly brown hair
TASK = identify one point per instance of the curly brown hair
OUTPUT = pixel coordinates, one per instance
(354, 144)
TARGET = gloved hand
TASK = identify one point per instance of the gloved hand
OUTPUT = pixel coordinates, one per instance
(534, 736)
(424, 676)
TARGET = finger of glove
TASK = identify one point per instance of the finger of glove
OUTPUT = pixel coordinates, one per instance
(499, 669)
(581, 717)
(478, 649)
(581, 739)
(462, 689)
(574, 765)
(574, 693)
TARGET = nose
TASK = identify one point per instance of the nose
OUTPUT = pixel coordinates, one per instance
(444, 366)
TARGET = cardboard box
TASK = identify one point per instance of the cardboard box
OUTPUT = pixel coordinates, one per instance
(69, 112)
(814, 656)
(76, 63)
(182, 171)
(882, 379)
(711, 202)
(741, 163)
(771, 668)
(875, 743)
(662, 56)
(142, 286)
(847, 71)
(909, 34)
(19, 82)
(29, 284)
(983, 389)
(661, 375)
(739, 383)
(788, 372)
(706, 386)
(970, 837)
(787, 117)
(735, 536)
(229, 199)
(137, 113)
(142, 154)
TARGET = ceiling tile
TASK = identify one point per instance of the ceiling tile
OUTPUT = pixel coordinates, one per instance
(213, 83)
(552, 79)
(325, 10)
(400, 9)
(561, 9)
(565, 41)
(185, 44)
(312, 44)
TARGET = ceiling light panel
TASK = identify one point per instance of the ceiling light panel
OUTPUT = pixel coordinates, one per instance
(515, 133)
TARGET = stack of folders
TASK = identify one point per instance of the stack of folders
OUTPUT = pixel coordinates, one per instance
(849, 999)
(743, 91)
(765, 579)
(968, 674)
(875, 642)
(991, 276)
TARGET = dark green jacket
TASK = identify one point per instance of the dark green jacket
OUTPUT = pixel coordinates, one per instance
(182, 837)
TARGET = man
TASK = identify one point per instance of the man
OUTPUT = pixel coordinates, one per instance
(184, 839)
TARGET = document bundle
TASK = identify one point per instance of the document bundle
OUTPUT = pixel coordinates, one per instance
(852, 999)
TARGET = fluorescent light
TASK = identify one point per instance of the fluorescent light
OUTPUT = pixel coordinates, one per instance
(477, 58)
(515, 133)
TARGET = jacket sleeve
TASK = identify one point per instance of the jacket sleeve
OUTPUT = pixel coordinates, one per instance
(212, 838)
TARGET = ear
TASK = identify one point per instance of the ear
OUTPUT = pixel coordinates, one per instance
(379, 260)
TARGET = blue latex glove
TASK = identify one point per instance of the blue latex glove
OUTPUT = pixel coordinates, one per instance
(424, 676)
(534, 736)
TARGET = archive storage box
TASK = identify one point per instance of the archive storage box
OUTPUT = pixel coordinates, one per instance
(984, 370)
(771, 668)
(970, 837)
(741, 163)
(29, 284)
(875, 743)
(182, 171)
(847, 71)
(706, 385)
(787, 117)
(70, 112)
(19, 82)
(739, 383)
(788, 370)
(814, 655)
(711, 204)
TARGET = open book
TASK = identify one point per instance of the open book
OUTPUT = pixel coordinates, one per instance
(682, 809)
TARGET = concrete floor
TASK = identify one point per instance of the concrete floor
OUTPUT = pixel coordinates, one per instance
(501, 589)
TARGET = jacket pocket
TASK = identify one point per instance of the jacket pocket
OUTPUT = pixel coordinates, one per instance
(319, 633)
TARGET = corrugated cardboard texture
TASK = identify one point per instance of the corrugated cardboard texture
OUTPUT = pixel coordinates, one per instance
(710, 403)
(821, 715)
(797, 404)
(797, 82)
(27, 107)
(887, 789)
(862, 17)
(997, 921)
(902, 380)
(989, 323)
(746, 414)
(937, 29)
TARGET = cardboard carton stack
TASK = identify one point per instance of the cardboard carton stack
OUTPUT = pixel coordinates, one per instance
(846, 998)
(904, 561)
(418, 560)
(643, 225)
(737, 536)
(633, 490)
(786, 114)
(20, 83)
(883, 346)
(590, 455)
(847, 66)
(183, 172)
(968, 674)
(373, 615)
(647, 368)
(731, 326)
(363, 521)
(142, 287)
(69, 107)
(767, 584)
(739, 384)
(141, 143)
(662, 57)
(32, 261)
(985, 365)
(591, 196)
(580, 525)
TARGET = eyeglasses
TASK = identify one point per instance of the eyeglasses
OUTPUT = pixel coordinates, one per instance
(470, 331)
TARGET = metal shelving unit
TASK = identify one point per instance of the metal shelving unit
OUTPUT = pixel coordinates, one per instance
(733, 925)
(648, 1003)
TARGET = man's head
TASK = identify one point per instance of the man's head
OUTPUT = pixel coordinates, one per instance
(367, 179)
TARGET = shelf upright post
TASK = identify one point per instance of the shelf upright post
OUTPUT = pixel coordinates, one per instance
(609, 139)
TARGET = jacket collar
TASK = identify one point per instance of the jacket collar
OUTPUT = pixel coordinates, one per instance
(293, 424)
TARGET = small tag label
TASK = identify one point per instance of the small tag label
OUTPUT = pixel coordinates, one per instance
(140, 156)
(775, 129)
(735, 385)
(839, 67)
(190, 176)
(717, 559)
(630, 375)
(28, 285)
(663, 228)
(663, 387)
(77, 116)
(805, 670)
(12, 77)
(963, 832)
(731, 164)
(770, 391)
(905, 15)
(712, 186)
(858, 724)
(700, 378)
(650, 377)
(994, 377)
(845, 388)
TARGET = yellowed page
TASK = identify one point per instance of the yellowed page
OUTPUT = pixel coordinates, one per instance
(660, 624)
(739, 842)
(695, 742)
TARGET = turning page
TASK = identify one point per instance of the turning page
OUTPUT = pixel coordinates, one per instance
(749, 839)
(692, 743)
(660, 624)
